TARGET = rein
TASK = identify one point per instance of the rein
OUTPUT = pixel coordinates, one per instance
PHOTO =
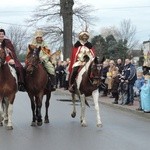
(33, 65)
(91, 78)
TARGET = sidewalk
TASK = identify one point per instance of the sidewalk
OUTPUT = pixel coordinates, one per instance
(108, 101)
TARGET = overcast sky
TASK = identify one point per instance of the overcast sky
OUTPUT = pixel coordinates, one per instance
(110, 13)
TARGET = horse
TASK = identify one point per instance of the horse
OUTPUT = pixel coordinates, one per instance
(8, 90)
(36, 79)
(86, 84)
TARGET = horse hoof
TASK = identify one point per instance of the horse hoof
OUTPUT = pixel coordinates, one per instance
(73, 115)
(83, 124)
(46, 121)
(1, 124)
(33, 124)
(39, 123)
(9, 128)
(99, 125)
(1, 119)
(6, 121)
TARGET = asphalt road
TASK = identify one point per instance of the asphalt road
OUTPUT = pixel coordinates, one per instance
(121, 130)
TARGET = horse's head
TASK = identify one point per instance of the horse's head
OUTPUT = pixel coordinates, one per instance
(94, 72)
(32, 58)
(2, 56)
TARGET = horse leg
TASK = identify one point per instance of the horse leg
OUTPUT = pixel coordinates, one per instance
(95, 95)
(5, 108)
(73, 114)
(48, 96)
(9, 102)
(82, 118)
(1, 113)
(33, 123)
(38, 109)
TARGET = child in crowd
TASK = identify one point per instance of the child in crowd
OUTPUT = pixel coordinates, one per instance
(145, 94)
(115, 85)
(123, 89)
(137, 87)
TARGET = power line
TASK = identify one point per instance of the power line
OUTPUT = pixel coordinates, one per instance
(14, 11)
(134, 7)
(26, 11)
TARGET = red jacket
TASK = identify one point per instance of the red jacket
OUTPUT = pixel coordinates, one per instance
(7, 43)
(76, 50)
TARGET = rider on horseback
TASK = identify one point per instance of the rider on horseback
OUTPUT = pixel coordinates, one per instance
(81, 49)
(12, 59)
(45, 57)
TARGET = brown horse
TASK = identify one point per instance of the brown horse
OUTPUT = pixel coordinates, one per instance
(36, 79)
(87, 83)
(8, 89)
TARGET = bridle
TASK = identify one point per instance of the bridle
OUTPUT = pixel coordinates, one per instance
(95, 80)
(30, 63)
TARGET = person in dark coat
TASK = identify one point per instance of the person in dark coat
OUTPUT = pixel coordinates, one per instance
(59, 70)
(130, 76)
(104, 71)
(120, 65)
(12, 58)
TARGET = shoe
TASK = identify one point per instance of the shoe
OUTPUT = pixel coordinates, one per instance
(111, 96)
(115, 102)
(139, 109)
(21, 88)
(103, 95)
(130, 104)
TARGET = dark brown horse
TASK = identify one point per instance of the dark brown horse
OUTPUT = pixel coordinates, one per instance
(8, 89)
(87, 84)
(36, 79)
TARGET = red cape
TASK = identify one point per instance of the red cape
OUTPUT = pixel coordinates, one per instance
(73, 58)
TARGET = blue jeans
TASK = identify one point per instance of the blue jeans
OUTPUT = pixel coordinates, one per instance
(130, 96)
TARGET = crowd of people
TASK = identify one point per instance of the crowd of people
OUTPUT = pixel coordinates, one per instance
(124, 82)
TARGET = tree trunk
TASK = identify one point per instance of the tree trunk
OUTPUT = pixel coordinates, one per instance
(66, 12)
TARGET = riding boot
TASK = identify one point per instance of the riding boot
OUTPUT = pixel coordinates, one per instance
(52, 79)
(21, 83)
(72, 79)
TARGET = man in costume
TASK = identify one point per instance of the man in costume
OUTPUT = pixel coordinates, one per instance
(12, 59)
(44, 55)
(81, 48)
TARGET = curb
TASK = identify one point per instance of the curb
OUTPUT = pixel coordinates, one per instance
(139, 113)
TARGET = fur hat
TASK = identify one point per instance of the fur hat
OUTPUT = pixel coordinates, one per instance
(38, 33)
(83, 33)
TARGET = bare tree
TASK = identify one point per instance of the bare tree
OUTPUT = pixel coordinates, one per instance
(56, 17)
(127, 32)
(19, 38)
(67, 14)
(106, 31)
